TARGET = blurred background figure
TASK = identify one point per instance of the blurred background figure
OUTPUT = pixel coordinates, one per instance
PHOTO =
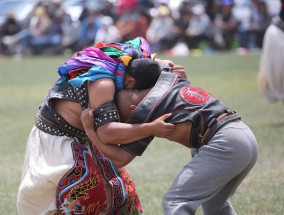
(243, 13)
(132, 22)
(109, 10)
(226, 26)
(33, 37)
(176, 35)
(261, 19)
(200, 28)
(89, 28)
(50, 42)
(160, 27)
(271, 70)
(175, 27)
(64, 33)
(107, 31)
(10, 27)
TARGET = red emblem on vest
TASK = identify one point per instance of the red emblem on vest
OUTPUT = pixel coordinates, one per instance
(194, 95)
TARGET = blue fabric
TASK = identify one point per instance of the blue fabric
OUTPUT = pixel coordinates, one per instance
(95, 73)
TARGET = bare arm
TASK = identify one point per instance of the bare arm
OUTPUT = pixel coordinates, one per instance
(123, 133)
(101, 92)
(117, 155)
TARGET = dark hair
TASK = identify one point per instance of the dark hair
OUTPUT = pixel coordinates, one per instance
(145, 71)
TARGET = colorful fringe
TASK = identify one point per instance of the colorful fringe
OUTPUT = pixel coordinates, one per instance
(105, 60)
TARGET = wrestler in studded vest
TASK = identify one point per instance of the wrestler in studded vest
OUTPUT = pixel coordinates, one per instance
(105, 60)
(186, 102)
(49, 121)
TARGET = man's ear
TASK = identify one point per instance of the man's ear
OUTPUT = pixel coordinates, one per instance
(129, 82)
(132, 107)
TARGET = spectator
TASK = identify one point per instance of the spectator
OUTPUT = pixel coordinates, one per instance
(271, 70)
(89, 28)
(109, 10)
(107, 31)
(261, 21)
(9, 28)
(177, 32)
(200, 28)
(212, 9)
(67, 31)
(53, 38)
(84, 13)
(33, 36)
(40, 26)
(160, 27)
(132, 23)
(226, 26)
(183, 23)
(124, 6)
(54, 7)
(243, 13)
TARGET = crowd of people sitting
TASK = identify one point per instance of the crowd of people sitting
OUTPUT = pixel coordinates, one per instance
(194, 25)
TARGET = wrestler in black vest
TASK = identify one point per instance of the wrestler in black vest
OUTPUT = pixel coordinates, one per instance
(173, 94)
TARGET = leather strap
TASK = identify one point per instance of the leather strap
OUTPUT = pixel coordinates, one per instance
(105, 113)
(214, 125)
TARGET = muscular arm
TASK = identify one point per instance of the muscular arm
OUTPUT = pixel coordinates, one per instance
(101, 92)
(117, 155)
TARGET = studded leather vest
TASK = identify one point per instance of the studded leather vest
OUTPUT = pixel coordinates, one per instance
(50, 121)
(186, 102)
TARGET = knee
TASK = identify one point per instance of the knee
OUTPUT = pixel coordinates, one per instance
(172, 206)
(167, 203)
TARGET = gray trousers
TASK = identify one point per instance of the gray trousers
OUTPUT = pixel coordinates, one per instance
(214, 173)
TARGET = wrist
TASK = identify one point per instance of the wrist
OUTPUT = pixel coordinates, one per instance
(149, 129)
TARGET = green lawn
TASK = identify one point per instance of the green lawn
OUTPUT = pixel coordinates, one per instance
(229, 77)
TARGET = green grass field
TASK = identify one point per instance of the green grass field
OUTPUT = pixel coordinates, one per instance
(229, 77)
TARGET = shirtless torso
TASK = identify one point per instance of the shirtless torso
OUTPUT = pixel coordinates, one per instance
(181, 133)
(70, 111)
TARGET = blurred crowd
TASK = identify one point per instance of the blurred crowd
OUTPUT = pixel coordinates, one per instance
(211, 25)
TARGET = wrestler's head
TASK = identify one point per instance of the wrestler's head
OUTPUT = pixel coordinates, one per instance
(141, 73)
(127, 100)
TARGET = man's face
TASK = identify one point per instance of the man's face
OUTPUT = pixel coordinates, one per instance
(128, 100)
(123, 104)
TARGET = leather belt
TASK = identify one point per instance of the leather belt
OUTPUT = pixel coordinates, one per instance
(53, 128)
(215, 124)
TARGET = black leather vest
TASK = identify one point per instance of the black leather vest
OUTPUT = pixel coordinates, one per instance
(50, 121)
(173, 94)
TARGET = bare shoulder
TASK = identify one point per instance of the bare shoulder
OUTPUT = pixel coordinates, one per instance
(100, 92)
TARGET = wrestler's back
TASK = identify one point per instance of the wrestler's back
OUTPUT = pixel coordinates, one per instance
(70, 111)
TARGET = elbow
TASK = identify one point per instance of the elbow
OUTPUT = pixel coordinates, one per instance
(106, 136)
(119, 164)
(108, 139)
(123, 161)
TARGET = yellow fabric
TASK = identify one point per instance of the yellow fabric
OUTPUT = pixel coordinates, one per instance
(153, 56)
(125, 59)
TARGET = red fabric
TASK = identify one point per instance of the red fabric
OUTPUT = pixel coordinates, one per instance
(82, 191)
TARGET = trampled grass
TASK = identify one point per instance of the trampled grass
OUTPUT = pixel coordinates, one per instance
(229, 77)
